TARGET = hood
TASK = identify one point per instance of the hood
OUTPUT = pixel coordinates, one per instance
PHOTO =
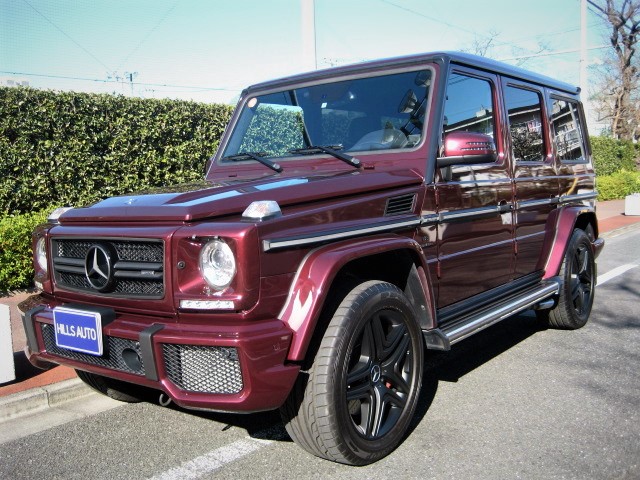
(232, 198)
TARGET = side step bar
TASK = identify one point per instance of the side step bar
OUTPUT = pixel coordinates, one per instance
(442, 338)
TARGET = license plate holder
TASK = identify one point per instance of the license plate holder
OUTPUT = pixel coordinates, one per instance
(78, 330)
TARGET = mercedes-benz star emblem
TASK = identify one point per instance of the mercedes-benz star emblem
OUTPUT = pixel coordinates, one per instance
(98, 268)
(376, 373)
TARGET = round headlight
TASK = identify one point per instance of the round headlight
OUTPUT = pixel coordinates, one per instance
(41, 253)
(217, 264)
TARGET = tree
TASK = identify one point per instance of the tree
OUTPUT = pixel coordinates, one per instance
(618, 97)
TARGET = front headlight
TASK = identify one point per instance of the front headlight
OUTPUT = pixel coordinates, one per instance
(41, 253)
(217, 264)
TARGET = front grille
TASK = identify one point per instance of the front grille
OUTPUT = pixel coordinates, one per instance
(112, 358)
(136, 266)
(203, 369)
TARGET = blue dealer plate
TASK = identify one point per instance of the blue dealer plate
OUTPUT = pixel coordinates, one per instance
(78, 330)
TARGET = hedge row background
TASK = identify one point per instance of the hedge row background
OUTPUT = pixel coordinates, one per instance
(67, 148)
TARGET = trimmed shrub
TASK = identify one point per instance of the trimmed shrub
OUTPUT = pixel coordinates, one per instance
(68, 148)
(618, 185)
(611, 155)
(16, 268)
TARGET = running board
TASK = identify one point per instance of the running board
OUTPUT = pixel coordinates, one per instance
(442, 338)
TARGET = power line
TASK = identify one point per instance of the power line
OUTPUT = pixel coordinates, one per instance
(146, 37)
(98, 80)
(66, 35)
(549, 54)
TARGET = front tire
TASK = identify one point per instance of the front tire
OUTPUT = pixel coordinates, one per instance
(356, 403)
(578, 286)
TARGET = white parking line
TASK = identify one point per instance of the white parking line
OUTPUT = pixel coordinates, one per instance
(605, 277)
(214, 460)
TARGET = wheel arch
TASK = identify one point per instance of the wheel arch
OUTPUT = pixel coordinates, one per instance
(560, 226)
(329, 272)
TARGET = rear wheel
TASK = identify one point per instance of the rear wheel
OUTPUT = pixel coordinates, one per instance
(355, 403)
(120, 391)
(578, 286)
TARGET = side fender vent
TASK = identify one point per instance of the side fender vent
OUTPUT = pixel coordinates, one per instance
(401, 204)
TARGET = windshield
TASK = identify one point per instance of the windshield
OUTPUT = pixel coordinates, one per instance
(358, 115)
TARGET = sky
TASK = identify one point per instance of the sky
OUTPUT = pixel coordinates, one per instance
(210, 50)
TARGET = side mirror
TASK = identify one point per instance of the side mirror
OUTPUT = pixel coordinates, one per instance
(467, 148)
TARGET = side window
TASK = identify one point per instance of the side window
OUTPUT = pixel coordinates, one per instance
(567, 130)
(469, 105)
(525, 124)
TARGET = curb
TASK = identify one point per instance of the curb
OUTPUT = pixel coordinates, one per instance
(40, 398)
(618, 231)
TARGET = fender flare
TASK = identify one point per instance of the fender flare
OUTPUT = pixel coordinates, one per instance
(315, 276)
(560, 226)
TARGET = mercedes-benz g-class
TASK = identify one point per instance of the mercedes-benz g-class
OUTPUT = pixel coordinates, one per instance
(351, 219)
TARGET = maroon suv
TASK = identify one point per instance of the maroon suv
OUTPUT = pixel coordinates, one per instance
(351, 218)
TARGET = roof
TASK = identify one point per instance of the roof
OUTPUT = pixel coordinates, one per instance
(417, 60)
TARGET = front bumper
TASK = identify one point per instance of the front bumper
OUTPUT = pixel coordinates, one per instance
(228, 367)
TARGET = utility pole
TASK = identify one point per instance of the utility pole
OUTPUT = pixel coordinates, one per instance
(308, 28)
(130, 76)
(584, 83)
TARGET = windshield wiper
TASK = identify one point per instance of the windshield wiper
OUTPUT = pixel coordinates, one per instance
(257, 156)
(329, 149)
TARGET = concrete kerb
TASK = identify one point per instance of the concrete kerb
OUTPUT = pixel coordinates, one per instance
(620, 231)
(40, 398)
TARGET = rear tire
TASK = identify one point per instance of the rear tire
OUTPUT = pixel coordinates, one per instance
(577, 290)
(121, 391)
(356, 402)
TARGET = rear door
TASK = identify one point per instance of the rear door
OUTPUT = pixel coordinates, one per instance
(535, 179)
(475, 231)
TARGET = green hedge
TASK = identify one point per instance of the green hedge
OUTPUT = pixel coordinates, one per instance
(611, 155)
(16, 268)
(618, 185)
(67, 148)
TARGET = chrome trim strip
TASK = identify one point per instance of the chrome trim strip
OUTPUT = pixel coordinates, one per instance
(431, 219)
(578, 196)
(424, 220)
(268, 245)
(536, 203)
(473, 212)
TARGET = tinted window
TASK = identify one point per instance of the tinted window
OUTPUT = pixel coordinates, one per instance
(567, 130)
(525, 124)
(375, 113)
(469, 105)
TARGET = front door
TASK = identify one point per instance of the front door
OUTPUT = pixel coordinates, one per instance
(475, 202)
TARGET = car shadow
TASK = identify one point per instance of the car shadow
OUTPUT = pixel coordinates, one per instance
(449, 366)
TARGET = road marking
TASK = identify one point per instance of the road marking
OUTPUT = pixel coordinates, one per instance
(605, 277)
(214, 460)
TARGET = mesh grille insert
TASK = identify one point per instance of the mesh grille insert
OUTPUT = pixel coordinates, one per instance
(203, 369)
(112, 358)
(137, 266)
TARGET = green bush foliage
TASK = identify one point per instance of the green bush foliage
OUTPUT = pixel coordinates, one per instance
(618, 185)
(67, 148)
(16, 268)
(611, 155)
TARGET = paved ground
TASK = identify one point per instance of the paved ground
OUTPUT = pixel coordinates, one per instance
(610, 214)
(515, 401)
